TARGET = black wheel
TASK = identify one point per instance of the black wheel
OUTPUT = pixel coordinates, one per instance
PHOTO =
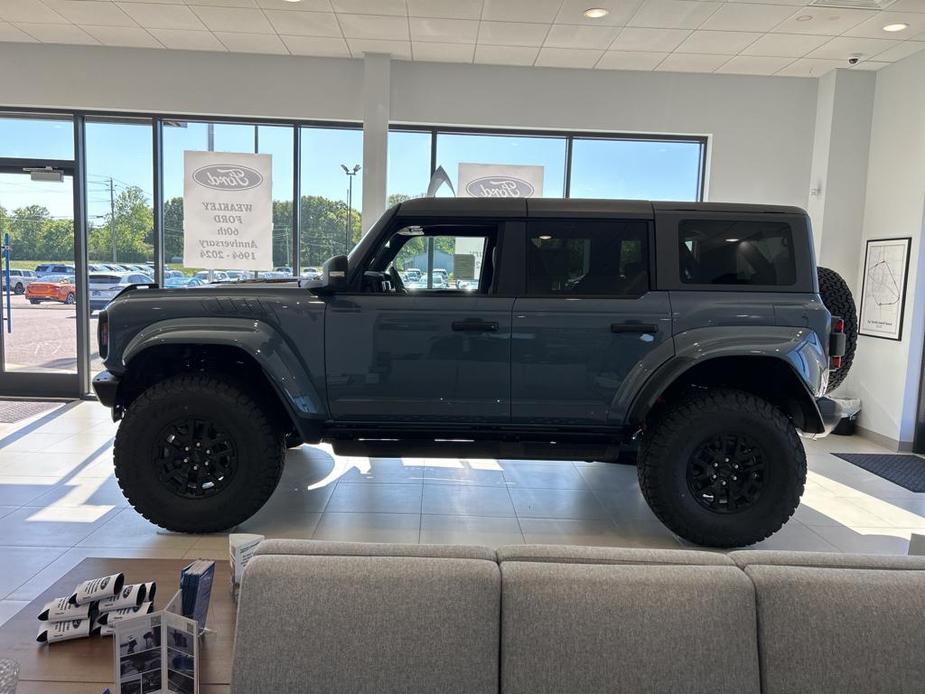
(19, 289)
(197, 454)
(69, 299)
(722, 468)
(837, 298)
(34, 301)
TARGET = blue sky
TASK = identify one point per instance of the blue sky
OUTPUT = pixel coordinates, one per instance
(600, 168)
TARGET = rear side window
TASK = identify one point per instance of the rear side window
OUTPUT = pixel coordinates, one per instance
(736, 252)
(104, 279)
(587, 258)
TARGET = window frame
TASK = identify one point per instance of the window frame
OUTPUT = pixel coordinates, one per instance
(648, 255)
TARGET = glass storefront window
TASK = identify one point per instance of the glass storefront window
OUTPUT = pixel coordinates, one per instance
(454, 149)
(636, 169)
(409, 165)
(331, 224)
(37, 137)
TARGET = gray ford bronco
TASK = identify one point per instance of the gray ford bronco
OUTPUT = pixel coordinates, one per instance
(694, 340)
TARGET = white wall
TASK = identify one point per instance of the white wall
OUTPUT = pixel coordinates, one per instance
(886, 373)
(761, 128)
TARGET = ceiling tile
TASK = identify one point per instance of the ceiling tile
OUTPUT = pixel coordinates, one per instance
(753, 65)
(568, 57)
(241, 19)
(220, 3)
(251, 43)
(908, 6)
(620, 12)
(135, 37)
(56, 33)
(395, 7)
(903, 50)
(827, 21)
(184, 39)
(96, 13)
(739, 17)
(304, 23)
(691, 62)
(630, 60)
(506, 55)
(155, 16)
(148, 2)
(869, 65)
(521, 10)
(444, 30)
(717, 42)
(641, 39)
(400, 50)
(873, 27)
(673, 14)
(580, 36)
(810, 67)
(442, 52)
(842, 47)
(447, 9)
(785, 45)
(792, 3)
(10, 33)
(302, 6)
(369, 26)
(28, 11)
(314, 45)
(512, 33)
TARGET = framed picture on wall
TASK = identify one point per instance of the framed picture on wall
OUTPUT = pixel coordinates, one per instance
(883, 289)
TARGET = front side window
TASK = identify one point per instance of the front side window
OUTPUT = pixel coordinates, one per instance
(736, 252)
(587, 258)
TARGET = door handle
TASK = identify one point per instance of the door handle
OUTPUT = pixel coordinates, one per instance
(475, 326)
(633, 328)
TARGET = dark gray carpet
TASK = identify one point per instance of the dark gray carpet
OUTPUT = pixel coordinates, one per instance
(17, 410)
(905, 470)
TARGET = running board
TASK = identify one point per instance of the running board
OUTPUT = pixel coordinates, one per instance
(465, 448)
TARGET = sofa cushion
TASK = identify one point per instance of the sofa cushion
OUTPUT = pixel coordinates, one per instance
(567, 554)
(830, 560)
(373, 549)
(627, 628)
(840, 630)
(367, 624)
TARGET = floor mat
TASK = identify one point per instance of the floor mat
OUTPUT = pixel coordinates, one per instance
(17, 410)
(905, 470)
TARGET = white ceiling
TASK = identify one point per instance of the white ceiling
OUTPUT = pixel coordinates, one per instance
(783, 37)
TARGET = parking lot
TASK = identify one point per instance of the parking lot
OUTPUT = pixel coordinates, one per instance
(44, 337)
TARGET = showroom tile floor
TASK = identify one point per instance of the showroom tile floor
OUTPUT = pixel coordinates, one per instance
(59, 503)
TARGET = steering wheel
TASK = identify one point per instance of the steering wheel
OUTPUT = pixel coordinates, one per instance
(397, 284)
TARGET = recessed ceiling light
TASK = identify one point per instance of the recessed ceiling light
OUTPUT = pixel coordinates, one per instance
(596, 12)
(293, 0)
(895, 27)
(804, 18)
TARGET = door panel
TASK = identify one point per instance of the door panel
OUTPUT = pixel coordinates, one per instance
(570, 356)
(418, 358)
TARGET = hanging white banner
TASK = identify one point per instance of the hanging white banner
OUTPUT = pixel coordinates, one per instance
(227, 211)
(499, 181)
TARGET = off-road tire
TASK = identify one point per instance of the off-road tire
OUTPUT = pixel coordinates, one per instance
(673, 438)
(258, 441)
(19, 290)
(34, 302)
(838, 300)
(70, 299)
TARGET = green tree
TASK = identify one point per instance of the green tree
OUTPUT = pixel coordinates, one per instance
(26, 230)
(127, 235)
(173, 229)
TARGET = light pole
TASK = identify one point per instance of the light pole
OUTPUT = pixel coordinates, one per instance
(350, 174)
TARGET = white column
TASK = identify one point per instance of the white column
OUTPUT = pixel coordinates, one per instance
(376, 109)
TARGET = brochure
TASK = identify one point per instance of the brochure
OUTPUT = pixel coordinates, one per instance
(130, 596)
(61, 610)
(196, 587)
(241, 547)
(64, 631)
(97, 589)
(157, 653)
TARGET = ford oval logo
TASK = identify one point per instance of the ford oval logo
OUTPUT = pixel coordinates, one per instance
(228, 177)
(500, 187)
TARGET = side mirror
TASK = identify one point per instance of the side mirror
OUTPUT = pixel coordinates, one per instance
(334, 274)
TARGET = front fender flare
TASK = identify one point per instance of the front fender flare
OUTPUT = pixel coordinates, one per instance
(799, 348)
(285, 371)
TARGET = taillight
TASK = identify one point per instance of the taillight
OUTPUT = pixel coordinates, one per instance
(837, 342)
(836, 362)
(838, 325)
(102, 334)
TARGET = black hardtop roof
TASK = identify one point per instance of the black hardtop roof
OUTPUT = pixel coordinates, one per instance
(573, 207)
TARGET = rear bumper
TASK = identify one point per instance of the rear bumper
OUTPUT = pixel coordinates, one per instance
(105, 385)
(832, 413)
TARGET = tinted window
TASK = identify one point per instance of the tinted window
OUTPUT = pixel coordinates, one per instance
(736, 252)
(105, 279)
(606, 258)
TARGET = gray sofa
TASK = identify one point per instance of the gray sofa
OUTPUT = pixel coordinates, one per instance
(353, 617)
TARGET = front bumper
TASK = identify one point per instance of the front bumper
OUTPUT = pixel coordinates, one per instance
(105, 385)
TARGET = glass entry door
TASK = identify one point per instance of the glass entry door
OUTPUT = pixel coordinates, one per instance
(38, 294)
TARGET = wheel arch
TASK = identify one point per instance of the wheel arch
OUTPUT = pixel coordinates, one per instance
(248, 351)
(772, 378)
